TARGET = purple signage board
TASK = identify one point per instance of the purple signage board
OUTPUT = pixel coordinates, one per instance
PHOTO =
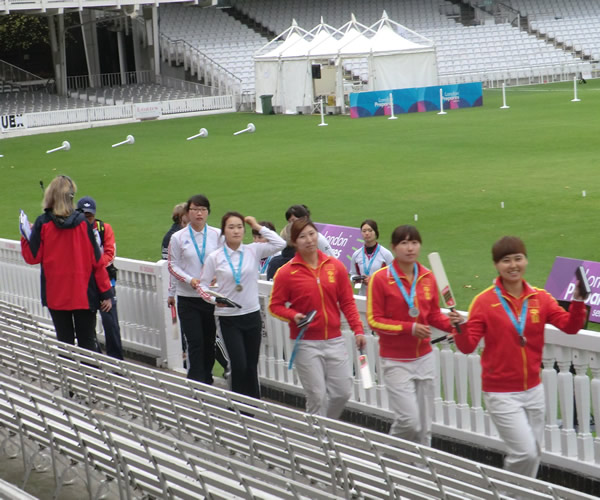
(561, 282)
(344, 240)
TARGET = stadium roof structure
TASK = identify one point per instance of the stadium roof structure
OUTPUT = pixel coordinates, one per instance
(62, 6)
(283, 66)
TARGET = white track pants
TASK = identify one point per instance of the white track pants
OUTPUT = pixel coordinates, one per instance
(323, 367)
(410, 389)
(519, 418)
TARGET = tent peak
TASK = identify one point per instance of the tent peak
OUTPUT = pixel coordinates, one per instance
(384, 15)
(352, 17)
(294, 23)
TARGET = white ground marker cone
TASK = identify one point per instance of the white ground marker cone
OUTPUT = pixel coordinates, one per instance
(250, 128)
(203, 133)
(129, 140)
(66, 145)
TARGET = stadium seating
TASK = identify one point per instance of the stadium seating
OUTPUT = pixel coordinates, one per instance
(129, 430)
(475, 50)
(215, 34)
(572, 25)
(39, 101)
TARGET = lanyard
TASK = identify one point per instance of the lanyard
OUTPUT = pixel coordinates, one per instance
(237, 273)
(295, 348)
(410, 300)
(200, 255)
(367, 268)
(520, 324)
(265, 265)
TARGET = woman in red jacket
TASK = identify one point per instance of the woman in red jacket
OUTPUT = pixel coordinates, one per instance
(315, 281)
(402, 305)
(73, 278)
(510, 316)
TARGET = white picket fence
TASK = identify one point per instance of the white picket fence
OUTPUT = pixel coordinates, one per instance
(525, 75)
(146, 328)
(126, 112)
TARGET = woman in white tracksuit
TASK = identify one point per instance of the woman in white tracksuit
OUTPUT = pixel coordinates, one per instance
(235, 267)
(369, 258)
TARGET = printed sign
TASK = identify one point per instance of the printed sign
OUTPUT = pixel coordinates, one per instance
(413, 100)
(561, 282)
(344, 240)
(11, 122)
(147, 110)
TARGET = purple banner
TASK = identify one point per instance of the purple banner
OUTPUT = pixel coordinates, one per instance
(561, 282)
(344, 240)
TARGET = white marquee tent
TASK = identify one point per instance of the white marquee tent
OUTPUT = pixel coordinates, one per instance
(283, 67)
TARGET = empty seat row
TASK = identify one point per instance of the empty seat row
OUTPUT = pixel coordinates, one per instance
(146, 431)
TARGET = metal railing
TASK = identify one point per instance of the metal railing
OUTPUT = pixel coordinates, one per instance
(197, 63)
(36, 6)
(523, 75)
(19, 77)
(109, 80)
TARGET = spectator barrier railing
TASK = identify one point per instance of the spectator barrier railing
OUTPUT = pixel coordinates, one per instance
(525, 75)
(572, 400)
(126, 111)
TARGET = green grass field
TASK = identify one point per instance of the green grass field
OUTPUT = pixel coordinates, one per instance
(453, 171)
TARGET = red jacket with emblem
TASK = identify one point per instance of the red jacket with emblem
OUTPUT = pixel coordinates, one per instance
(508, 366)
(72, 273)
(325, 289)
(387, 312)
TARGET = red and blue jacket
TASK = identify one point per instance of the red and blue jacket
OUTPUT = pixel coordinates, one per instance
(73, 276)
(387, 312)
(298, 288)
(506, 364)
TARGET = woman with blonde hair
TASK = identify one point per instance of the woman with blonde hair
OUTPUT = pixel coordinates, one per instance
(73, 280)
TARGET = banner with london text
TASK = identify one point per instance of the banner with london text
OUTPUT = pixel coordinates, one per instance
(343, 240)
(561, 282)
(415, 100)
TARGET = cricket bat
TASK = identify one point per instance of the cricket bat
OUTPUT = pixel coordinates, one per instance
(365, 372)
(435, 261)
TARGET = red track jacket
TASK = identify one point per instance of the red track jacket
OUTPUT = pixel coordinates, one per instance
(387, 313)
(326, 289)
(72, 274)
(507, 366)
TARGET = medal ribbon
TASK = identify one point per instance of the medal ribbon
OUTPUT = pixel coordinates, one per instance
(264, 267)
(200, 255)
(410, 300)
(520, 324)
(237, 273)
(367, 269)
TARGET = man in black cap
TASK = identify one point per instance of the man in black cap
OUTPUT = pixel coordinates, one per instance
(106, 241)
